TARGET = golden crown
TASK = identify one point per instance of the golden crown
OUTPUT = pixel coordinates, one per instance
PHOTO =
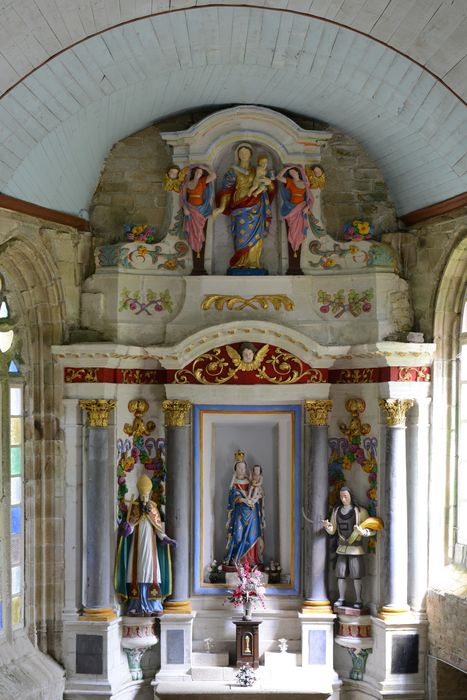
(239, 456)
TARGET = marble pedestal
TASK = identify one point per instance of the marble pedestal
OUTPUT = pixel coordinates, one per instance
(317, 647)
(95, 662)
(399, 656)
(176, 633)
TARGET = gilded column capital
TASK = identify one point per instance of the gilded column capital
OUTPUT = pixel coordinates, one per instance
(176, 412)
(317, 411)
(98, 411)
(395, 410)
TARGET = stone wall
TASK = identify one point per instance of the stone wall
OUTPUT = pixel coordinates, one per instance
(130, 187)
(447, 616)
(43, 265)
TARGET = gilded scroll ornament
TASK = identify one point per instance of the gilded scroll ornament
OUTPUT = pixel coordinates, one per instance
(237, 303)
(355, 429)
(271, 365)
(395, 410)
(138, 428)
(317, 411)
(356, 376)
(414, 374)
(98, 411)
(83, 374)
(176, 413)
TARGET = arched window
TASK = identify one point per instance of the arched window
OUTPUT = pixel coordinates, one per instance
(11, 477)
(460, 551)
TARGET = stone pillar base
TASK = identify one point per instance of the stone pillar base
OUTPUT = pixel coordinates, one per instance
(176, 637)
(98, 614)
(397, 664)
(94, 659)
(316, 607)
(317, 648)
(181, 607)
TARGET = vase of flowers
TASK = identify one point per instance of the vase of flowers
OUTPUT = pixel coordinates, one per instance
(249, 591)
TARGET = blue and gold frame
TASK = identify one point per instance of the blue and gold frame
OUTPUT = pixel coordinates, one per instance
(270, 436)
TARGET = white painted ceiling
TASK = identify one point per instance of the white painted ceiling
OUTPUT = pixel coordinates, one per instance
(392, 73)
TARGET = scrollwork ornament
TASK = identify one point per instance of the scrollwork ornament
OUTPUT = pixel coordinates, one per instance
(237, 303)
(176, 413)
(138, 428)
(355, 429)
(317, 411)
(395, 410)
(98, 411)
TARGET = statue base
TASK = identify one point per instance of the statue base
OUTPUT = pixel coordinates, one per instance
(242, 271)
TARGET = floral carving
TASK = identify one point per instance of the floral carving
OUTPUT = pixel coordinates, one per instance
(157, 301)
(142, 449)
(357, 302)
(131, 257)
(372, 255)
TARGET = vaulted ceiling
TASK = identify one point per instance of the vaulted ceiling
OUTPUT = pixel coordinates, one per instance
(75, 77)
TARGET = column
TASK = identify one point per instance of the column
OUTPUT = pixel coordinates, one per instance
(396, 533)
(418, 440)
(315, 503)
(178, 504)
(97, 555)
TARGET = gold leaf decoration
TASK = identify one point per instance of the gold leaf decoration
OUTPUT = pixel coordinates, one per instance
(238, 303)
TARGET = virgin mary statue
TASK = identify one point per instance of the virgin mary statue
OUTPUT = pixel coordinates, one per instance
(245, 521)
(249, 208)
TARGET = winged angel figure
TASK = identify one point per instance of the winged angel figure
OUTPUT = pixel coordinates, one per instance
(248, 359)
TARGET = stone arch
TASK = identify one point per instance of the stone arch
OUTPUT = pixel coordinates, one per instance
(36, 299)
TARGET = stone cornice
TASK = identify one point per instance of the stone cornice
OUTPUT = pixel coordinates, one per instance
(380, 354)
(35, 210)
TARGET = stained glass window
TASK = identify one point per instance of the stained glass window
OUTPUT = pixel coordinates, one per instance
(16, 503)
(11, 476)
(462, 434)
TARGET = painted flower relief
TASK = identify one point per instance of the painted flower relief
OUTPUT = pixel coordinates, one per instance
(358, 230)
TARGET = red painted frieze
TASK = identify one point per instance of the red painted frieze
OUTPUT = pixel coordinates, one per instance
(246, 364)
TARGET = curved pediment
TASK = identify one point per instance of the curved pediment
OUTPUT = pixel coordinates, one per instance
(205, 141)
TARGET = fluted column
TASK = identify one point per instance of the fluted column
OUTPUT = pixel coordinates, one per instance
(315, 502)
(178, 500)
(396, 533)
(97, 604)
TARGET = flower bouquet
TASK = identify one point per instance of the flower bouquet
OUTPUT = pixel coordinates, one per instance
(358, 230)
(245, 676)
(249, 590)
(140, 232)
